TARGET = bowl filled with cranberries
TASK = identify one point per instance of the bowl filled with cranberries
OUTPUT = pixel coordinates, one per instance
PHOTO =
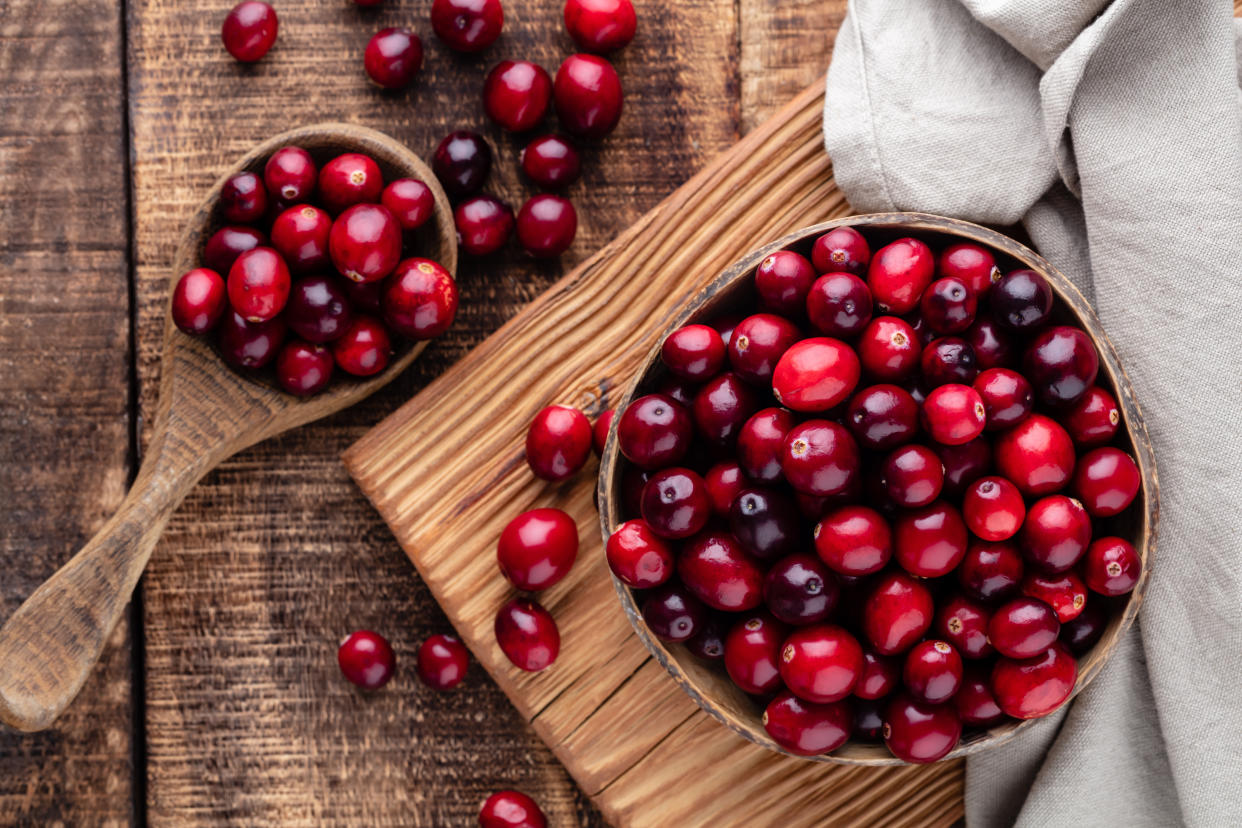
(882, 493)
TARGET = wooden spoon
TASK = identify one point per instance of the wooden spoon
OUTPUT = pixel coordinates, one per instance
(206, 414)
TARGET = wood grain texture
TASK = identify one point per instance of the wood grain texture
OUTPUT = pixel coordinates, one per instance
(786, 45)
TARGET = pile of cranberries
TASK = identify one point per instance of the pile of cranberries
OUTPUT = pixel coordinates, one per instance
(886, 502)
(308, 271)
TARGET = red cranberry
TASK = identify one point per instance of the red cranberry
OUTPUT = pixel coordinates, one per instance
(680, 391)
(249, 344)
(442, 662)
(1007, 397)
(761, 442)
(783, 280)
(600, 26)
(725, 482)
(896, 613)
(227, 243)
(839, 304)
(913, 476)
(1037, 455)
(249, 30)
(1062, 364)
(799, 589)
(551, 162)
(882, 417)
(467, 25)
(714, 567)
(916, 731)
(954, 414)
(516, 94)
(290, 175)
(854, 540)
(599, 432)
(693, 352)
(538, 548)
(675, 503)
(722, 407)
(303, 368)
(922, 330)
(931, 541)
(933, 671)
(990, 571)
(654, 431)
(1023, 628)
(964, 624)
(511, 809)
(815, 374)
(993, 508)
(766, 523)
(708, 643)
(947, 360)
(199, 301)
(638, 556)
(1036, 686)
(1056, 533)
(364, 349)
(757, 345)
(841, 250)
(527, 635)
(365, 243)
(1065, 593)
(393, 57)
(259, 284)
(1081, 634)
(350, 179)
(820, 458)
(879, 676)
(484, 224)
(991, 345)
(752, 652)
(1106, 481)
(889, 349)
(975, 266)
(899, 273)
(806, 728)
(948, 305)
(868, 719)
(1112, 566)
(673, 614)
(964, 464)
(588, 97)
(300, 235)
(366, 659)
(461, 162)
(420, 300)
(1021, 300)
(243, 198)
(1094, 419)
(975, 703)
(318, 310)
(558, 442)
(411, 201)
(821, 663)
(546, 225)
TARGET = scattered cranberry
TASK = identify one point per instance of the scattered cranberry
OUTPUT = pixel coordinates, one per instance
(725, 481)
(1037, 455)
(366, 659)
(970, 263)
(820, 458)
(227, 243)
(913, 476)
(806, 728)
(975, 703)
(1023, 628)
(948, 305)
(990, 571)
(600, 26)
(364, 349)
(1021, 300)
(889, 349)
(248, 345)
(766, 523)
(898, 274)
(1106, 480)
(1062, 364)
(882, 417)
(993, 508)
(249, 30)
(461, 162)
(815, 374)
(752, 653)
(599, 432)
(964, 624)
(546, 225)
(243, 198)
(1056, 533)
(841, 250)
(527, 634)
(511, 809)
(290, 175)
(757, 344)
(442, 662)
(420, 299)
(722, 407)
(783, 280)
(393, 57)
(551, 162)
(638, 556)
(719, 573)
(350, 179)
(558, 442)
(1035, 686)
(954, 414)
(916, 731)
(411, 201)
(1094, 419)
(933, 671)
(654, 431)
(992, 346)
(1065, 593)
(879, 676)
(854, 540)
(484, 224)
(839, 304)
(1111, 566)
(259, 284)
(467, 25)
(516, 94)
(673, 614)
(588, 96)
(799, 589)
(761, 442)
(199, 301)
(538, 548)
(303, 368)
(821, 663)
(896, 613)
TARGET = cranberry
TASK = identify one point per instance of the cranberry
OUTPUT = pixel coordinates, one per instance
(964, 464)
(227, 243)
(633, 479)
(766, 523)
(1065, 593)
(1081, 634)
(713, 567)
(442, 662)
(757, 345)
(249, 344)
(922, 330)
(1111, 566)
(948, 305)
(303, 368)
(898, 274)
(516, 94)
(947, 360)
(290, 175)
(913, 476)
(820, 458)
(916, 731)
(889, 349)
(1062, 364)
(815, 374)
(1007, 397)
(365, 242)
(854, 540)
(588, 97)
(1037, 455)
(725, 481)
(975, 703)
(484, 224)
(722, 407)
(953, 414)
(600, 26)
(599, 432)
(1056, 533)
(538, 548)
(680, 391)
(364, 349)
(546, 225)
(821, 663)
(551, 162)
(558, 442)
(350, 179)
(752, 652)
(393, 57)
(411, 201)
(708, 642)
(1036, 686)
(990, 571)
(879, 676)
(199, 301)
(300, 235)
(841, 250)
(839, 304)
(654, 431)
(799, 589)
(1023, 628)
(638, 556)
(972, 264)
(366, 659)
(783, 280)
(259, 284)
(675, 503)
(317, 309)
(868, 719)
(931, 541)
(991, 345)
(933, 671)
(1106, 480)
(1021, 300)
(806, 728)
(964, 624)
(461, 162)
(249, 30)
(420, 300)
(882, 417)
(511, 809)
(1094, 419)
(527, 635)
(467, 25)
(993, 508)
(693, 352)
(761, 442)
(725, 325)
(243, 198)
(673, 614)
(896, 613)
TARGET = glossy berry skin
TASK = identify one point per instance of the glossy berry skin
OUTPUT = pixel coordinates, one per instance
(587, 95)
(799, 589)
(551, 162)
(227, 243)
(953, 414)
(300, 235)
(511, 809)
(673, 613)
(931, 541)
(974, 701)
(318, 310)
(249, 30)
(420, 299)
(303, 368)
(467, 25)
(1106, 480)
(393, 57)
(821, 663)
(918, 732)
(991, 571)
(1007, 397)
(366, 659)
(708, 643)
(600, 26)
(815, 375)
(898, 275)
(896, 613)
(349, 179)
(442, 662)
(947, 360)
(599, 432)
(766, 522)
(243, 198)
(1023, 627)
(1065, 593)
(364, 349)
(1021, 301)
(761, 443)
(1034, 687)
(681, 391)
(839, 304)
(868, 719)
(948, 305)
(527, 634)
(993, 508)
(1094, 419)
(820, 458)
(199, 301)
(972, 264)
(757, 344)
(461, 162)
(638, 556)
(693, 352)
(546, 225)
(538, 548)
(719, 573)
(516, 95)
(248, 345)
(806, 728)
(964, 624)
(411, 201)
(1082, 633)
(558, 443)
(879, 676)
(783, 280)
(1056, 533)
(854, 540)
(993, 347)
(889, 349)
(725, 481)
(1111, 566)
(290, 175)
(654, 431)
(675, 503)
(1062, 364)
(752, 652)
(722, 407)
(841, 250)
(964, 464)
(933, 671)
(365, 243)
(1037, 455)
(259, 284)
(913, 476)
(882, 417)
(484, 224)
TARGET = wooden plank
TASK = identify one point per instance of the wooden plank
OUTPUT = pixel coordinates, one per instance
(785, 46)
(64, 375)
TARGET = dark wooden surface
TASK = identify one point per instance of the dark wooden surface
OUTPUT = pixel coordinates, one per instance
(224, 704)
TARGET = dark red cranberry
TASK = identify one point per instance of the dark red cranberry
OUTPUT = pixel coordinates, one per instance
(243, 198)
(318, 310)
(484, 224)
(1094, 419)
(993, 508)
(783, 280)
(290, 175)
(815, 375)
(821, 663)
(947, 360)
(1056, 533)
(889, 349)
(303, 368)
(899, 273)
(975, 266)
(411, 201)
(442, 662)
(675, 503)
(364, 349)
(1037, 455)
(896, 613)
(722, 407)
(990, 571)
(199, 301)
(953, 414)
(806, 728)
(249, 30)
(1062, 364)
(724, 325)
(933, 671)
(420, 300)
(761, 443)
(1007, 397)
(527, 634)
(599, 432)
(766, 523)
(638, 556)
(259, 284)
(854, 540)
(227, 243)
(708, 643)
(820, 458)
(633, 479)
(551, 162)
(1034, 687)
(1065, 593)
(799, 589)
(538, 548)
(249, 344)
(693, 352)
(365, 243)
(680, 390)
(516, 94)
(654, 431)
(841, 250)
(349, 179)
(882, 417)
(868, 719)
(992, 346)
(1021, 300)
(948, 305)
(1023, 628)
(300, 235)
(916, 731)
(752, 652)
(1081, 634)
(366, 658)
(461, 162)
(719, 573)
(511, 809)
(673, 614)
(558, 442)
(600, 26)
(922, 330)
(931, 541)
(879, 676)
(964, 464)
(546, 225)
(964, 624)
(467, 25)
(839, 304)
(975, 703)
(1106, 480)
(913, 476)
(757, 345)
(1112, 566)
(725, 481)
(588, 96)
(393, 57)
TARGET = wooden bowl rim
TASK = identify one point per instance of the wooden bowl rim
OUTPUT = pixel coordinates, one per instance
(855, 753)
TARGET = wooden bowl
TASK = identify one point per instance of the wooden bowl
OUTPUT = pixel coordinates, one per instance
(732, 292)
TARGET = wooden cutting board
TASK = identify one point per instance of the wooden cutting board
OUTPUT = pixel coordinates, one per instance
(447, 472)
